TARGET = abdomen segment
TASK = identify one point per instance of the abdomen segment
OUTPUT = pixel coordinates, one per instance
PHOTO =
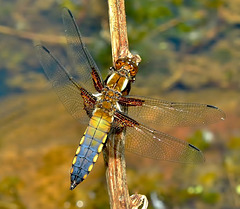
(90, 147)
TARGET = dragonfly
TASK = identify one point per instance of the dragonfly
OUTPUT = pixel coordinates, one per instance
(100, 103)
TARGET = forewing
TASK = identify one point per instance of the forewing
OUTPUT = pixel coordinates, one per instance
(157, 113)
(81, 59)
(154, 144)
(157, 145)
(67, 90)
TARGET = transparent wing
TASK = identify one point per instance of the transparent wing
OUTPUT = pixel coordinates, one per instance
(81, 59)
(67, 90)
(157, 145)
(150, 143)
(157, 113)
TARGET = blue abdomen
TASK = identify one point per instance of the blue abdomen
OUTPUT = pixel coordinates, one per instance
(89, 147)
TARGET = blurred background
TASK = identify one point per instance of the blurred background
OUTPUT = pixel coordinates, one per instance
(190, 53)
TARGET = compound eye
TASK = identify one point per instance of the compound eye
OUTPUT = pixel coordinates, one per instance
(119, 63)
(133, 70)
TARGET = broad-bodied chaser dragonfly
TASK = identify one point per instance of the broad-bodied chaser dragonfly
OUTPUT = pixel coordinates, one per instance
(85, 94)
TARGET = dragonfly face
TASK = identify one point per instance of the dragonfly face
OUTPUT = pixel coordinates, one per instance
(127, 66)
(102, 113)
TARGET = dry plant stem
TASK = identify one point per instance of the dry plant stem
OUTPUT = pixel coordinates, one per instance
(118, 29)
(116, 174)
(116, 170)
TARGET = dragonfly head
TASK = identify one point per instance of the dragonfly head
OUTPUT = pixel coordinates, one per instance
(127, 66)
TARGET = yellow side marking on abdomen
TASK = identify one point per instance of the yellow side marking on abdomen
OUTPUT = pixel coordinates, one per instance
(90, 167)
(85, 176)
(78, 150)
(95, 158)
(100, 148)
(74, 160)
(104, 139)
(82, 140)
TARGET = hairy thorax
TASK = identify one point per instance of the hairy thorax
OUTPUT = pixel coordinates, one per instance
(108, 100)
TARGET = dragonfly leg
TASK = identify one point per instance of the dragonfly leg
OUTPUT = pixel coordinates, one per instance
(97, 80)
(130, 101)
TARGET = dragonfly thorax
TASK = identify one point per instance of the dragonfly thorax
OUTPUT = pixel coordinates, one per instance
(108, 100)
(117, 81)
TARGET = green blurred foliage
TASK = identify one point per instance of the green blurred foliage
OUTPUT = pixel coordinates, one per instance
(197, 140)
(234, 143)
